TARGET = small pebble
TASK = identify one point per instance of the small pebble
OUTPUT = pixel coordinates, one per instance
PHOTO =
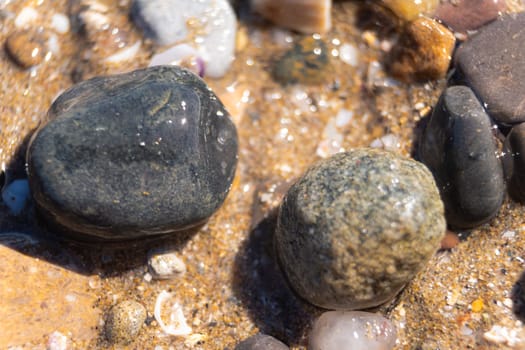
(306, 63)
(123, 153)
(60, 23)
(352, 330)
(356, 227)
(261, 342)
(124, 322)
(423, 52)
(165, 266)
(464, 15)
(409, 10)
(492, 63)
(27, 48)
(514, 162)
(460, 150)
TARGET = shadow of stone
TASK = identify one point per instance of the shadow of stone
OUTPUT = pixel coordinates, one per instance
(518, 298)
(34, 237)
(264, 291)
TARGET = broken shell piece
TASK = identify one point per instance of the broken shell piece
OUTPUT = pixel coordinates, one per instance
(177, 325)
(182, 55)
(306, 16)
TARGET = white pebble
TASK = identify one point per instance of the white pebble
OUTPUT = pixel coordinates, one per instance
(349, 54)
(60, 23)
(165, 266)
(57, 341)
(352, 330)
(15, 195)
(389, 142)
(343, 117)
(27, 16)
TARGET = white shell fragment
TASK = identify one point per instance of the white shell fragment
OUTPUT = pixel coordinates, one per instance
(352, 330)
(177, 325)
(125, 54)
(305, 16)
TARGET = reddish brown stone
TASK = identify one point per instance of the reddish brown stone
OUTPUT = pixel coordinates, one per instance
(466, 15)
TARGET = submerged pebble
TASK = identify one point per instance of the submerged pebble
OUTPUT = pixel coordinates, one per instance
(423, 52)
(352, 330)
(261, 342)
(15, 195)
(27, 48)
(306, 63)
(356, 227)
(124, 322)
(496, 78)
(460, 150)
(143, 153)
(514, 162)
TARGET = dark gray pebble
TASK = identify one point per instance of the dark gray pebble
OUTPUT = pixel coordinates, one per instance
(261, 342)
(138, 154)
(459, 148)
(124, 321)
(514, 161)
(492, 63)
(356, 227)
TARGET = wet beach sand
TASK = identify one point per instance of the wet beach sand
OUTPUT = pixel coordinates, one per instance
(469, 297)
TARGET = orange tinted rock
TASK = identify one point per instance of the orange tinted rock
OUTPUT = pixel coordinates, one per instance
(26, 48)
(423, 52)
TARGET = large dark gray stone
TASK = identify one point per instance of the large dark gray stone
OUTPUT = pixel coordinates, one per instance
(459, 148)
(356, 227)
(138, 154)
(514, 161)
(492, 63)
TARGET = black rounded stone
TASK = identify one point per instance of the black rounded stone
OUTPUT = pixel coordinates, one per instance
(459, 148)
(514, 162)
(143, 153)
(358, 226)
(261, 342)
(492, 63)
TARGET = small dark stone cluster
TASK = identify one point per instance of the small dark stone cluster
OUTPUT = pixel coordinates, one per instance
(459, 144)
(356, 227)
(133, 155)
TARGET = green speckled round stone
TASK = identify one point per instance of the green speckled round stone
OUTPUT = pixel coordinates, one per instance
(357, 227)
(129, 156)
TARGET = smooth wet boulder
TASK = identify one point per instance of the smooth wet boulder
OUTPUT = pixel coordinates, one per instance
(459, 148)
(133, 155)
(492, 63)
(358, 226)
(514, 161)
